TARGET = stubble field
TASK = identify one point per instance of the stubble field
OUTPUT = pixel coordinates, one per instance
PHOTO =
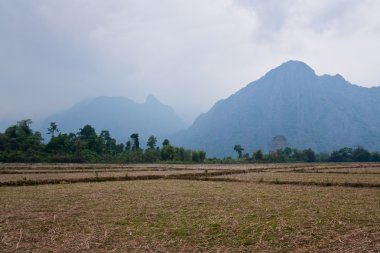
(190, 208)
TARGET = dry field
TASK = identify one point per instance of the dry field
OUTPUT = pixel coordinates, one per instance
(190, 208)
(317, 178)
(85, 175)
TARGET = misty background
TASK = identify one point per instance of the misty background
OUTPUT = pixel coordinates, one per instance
(189, 54)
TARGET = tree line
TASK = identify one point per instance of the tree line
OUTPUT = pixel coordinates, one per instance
(287, 154)
(19, 143)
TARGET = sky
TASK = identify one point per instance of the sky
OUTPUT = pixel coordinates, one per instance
(188, 54)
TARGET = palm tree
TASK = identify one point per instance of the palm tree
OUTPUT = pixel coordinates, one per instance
(239, 149)
(53, 128)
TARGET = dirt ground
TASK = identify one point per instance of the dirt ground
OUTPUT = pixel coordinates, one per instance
(196, 212)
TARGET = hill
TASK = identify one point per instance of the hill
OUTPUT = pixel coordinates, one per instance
(121, 116)
(319, 112)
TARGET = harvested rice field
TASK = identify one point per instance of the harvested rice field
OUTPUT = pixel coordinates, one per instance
(190, 208)
(96, 174)
(328, 178)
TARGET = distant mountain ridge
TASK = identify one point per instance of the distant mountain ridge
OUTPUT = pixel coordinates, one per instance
(319, 112)
(121, 116)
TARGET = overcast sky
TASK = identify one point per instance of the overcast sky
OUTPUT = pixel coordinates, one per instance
(189, 54)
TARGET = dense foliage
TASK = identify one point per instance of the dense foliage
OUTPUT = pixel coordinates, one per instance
(19, 143)
(287, 154)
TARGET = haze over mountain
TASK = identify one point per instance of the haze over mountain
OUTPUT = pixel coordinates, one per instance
(324, 113)
(121, 116)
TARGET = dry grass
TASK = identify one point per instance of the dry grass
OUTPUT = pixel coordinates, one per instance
(188, 216)
(137, 167)
(89, 175)
(46, 166)
(351, 174)
(306, 177)
(365, 170)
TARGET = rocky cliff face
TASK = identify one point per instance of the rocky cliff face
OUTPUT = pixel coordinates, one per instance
(319, 112)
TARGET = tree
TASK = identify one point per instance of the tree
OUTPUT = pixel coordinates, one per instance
(202, 155)
(309, 155)
(375, 157)
(152, 141)
(89, 139)
(258, 155)
(107, 142)
(187, 156)
(239, 149)
(128, 145)
(151, 155)
(52, 129)
(198, 156)
(179, 154)
(360, 154)
(135, 143)
(23, 127)
(119, 148)
(298, 155)
(278, 142)
(165, 142)
(62, 143)
(342, 155)
(168, 152)
(195, 156)
(87, 132)
(287, 152)
(21, 144)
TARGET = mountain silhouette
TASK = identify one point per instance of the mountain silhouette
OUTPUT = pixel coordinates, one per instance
(121, 116)
(324, 113)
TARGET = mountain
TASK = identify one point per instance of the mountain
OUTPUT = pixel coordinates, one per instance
(324, 113)
(121, 116)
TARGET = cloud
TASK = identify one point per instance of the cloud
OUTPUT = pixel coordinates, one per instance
(187, 53)
(332, 36)
(170, 48)
(275, 17)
